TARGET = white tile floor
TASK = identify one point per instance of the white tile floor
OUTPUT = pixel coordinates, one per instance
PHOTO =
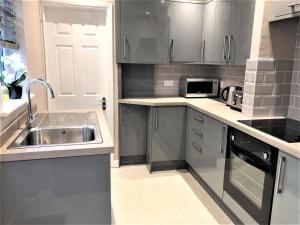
(169, 197)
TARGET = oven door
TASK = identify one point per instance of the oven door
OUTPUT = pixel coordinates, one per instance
(249, 182)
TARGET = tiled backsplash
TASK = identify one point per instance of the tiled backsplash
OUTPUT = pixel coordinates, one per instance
(228, 75)
(294, 106)
(267, 87)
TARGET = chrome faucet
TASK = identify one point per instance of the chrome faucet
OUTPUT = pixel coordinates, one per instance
(30, 118)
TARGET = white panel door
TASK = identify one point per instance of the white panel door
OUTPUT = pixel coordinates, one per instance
(78, 46)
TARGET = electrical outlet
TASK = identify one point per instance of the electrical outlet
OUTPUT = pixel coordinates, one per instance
(169, 83)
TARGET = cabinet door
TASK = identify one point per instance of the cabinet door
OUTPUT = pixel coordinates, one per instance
(185, 31)
(286, 201)
(222, 28)
(143, 32)
(133, 130)
(242, 16)
(168, 134)
(208, 32)
(281, 7)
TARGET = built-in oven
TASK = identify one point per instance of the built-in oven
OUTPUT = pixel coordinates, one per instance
(250, 171)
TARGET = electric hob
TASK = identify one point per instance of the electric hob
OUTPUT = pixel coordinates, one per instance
(284, 129)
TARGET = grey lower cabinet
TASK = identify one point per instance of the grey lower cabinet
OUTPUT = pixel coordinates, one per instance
(142, 31)
(284, 9)
(58, 191)
(185, 31)
(286, 201)
(132, 134)
(205, 149)
(166, 137)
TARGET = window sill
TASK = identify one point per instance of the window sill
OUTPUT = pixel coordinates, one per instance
(14, 106)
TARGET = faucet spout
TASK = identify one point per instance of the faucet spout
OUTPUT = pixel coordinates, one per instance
(30, 118)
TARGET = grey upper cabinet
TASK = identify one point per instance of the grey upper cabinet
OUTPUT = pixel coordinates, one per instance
(206, 147)
(286, 201)
(221, 31)
(143, 31)
(185, 31)
(166, 135)
(230, 37)
(282, 9)
(240, 37)
(208, 32)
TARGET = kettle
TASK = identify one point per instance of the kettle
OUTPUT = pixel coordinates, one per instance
(228, 93)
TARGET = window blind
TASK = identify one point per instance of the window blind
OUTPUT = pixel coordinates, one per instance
(7, 24)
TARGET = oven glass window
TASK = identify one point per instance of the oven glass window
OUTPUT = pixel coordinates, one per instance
(200, 87)
(247, 179)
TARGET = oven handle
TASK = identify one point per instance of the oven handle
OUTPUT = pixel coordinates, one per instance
(251, 160)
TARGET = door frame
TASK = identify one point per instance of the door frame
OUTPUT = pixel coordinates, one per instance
(112, 78)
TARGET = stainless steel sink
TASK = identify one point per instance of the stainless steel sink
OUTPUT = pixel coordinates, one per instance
(57, 136)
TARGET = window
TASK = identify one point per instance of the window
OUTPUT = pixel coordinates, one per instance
(7, 24)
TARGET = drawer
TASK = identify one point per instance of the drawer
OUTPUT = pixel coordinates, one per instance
(201, 120)
(195, 152)
(211, 137)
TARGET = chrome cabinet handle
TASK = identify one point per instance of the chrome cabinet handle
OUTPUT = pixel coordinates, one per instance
(156, 119)
(198, 134)
(292, 6)
(203, 51)
(198, 119)
(222, 143)
(124, 47)
(282, 165)
(229, 48)
(224, 48)
(171, 51)
(197, 147)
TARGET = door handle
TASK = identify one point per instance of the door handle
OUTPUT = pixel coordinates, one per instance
(171, 50)
(229, 56)
(203, 51)
(224, 48)
(156, 119)
(124, 47)
(282, 165)
(222, 143)
(292, 6)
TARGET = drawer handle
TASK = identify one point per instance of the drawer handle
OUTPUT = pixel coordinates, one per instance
(197, 133)
(198, 119)
(197, 147)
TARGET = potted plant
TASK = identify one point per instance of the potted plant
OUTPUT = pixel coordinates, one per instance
(13, 76)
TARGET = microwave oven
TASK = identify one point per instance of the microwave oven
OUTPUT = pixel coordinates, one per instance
(199, 87)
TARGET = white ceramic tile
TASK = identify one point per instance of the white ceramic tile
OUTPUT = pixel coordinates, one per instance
(168, 197)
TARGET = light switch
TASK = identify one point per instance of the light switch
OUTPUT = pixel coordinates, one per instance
(169, 83)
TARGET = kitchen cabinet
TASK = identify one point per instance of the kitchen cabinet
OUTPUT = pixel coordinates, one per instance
(286, 201)
(185, 31)
(221, 30)
(166, 137)
(230, 37)
(284, 9)
(208, 32)
(143, 32)
(133, 134)
(205, 149)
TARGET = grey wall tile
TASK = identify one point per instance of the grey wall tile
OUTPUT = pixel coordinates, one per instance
(282, 89)
(271, 101)
(264, 89)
